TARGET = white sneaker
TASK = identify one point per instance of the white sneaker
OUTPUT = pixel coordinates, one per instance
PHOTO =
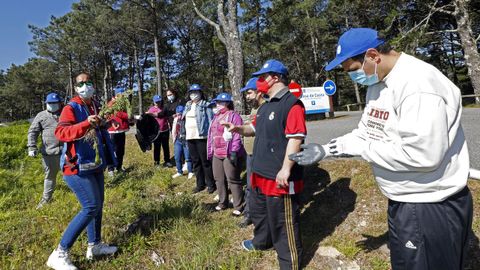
(184, 167)
(99, 250)
(190, 175)
(60, 260)
(176, 175)
(111, 174)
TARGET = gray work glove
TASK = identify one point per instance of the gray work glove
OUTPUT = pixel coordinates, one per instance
(312, 153)
(32, 153)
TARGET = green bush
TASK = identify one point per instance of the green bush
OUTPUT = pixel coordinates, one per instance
(13, 145)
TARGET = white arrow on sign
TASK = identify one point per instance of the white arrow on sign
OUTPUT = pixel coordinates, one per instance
(330, 87)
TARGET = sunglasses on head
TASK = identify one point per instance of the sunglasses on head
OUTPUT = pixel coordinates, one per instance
(81, 84)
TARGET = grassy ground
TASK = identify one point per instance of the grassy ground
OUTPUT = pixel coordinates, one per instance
(146, 211)
(472, 106)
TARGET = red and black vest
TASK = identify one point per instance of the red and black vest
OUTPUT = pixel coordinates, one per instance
(270, 143)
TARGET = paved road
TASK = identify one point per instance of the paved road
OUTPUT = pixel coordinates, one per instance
(324, 130)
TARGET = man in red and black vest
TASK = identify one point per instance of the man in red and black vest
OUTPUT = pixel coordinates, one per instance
(279, 130)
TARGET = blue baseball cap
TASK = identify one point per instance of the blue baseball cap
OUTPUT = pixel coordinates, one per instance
(119, 90)
(195, 87)
(211, 103)
(179, 109)
(354, 42)
(251, 85)
(272, 66)
(223, 97)
(53, 98)
(157, 98)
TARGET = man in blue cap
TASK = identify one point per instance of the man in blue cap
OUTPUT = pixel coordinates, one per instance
(279, 129)
(255, 99)
(410, 132)
(45, 123)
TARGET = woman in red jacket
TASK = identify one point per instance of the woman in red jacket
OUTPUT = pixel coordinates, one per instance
(119, 126)
(83, 163)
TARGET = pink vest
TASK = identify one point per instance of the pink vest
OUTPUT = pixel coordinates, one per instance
(162, 121)
(219, 144)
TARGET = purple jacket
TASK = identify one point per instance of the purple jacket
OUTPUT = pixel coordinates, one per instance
(235, 145)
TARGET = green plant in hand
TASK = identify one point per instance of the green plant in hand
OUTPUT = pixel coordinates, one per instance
(121, 104)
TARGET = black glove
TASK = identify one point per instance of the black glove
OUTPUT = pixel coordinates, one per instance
(312, 153)
(233, 158)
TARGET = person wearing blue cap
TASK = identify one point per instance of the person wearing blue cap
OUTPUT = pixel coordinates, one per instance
(198, 117)
(279, 129)
(45, 123)
(255, 99)
(227, 154)
(162, 140)
(120, 125)
(410, 132)
(180, 147)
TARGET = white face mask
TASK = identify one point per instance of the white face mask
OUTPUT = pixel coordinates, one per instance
(215, 110)
(53, 107)
(85, 91)
(171, 98)
(194, 96)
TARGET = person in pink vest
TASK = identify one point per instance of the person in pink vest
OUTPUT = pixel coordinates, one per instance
(163, 136)
(227, 154)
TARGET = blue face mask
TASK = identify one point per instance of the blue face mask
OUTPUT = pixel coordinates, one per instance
(359, 76)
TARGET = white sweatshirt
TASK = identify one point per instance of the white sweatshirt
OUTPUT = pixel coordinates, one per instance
(414, 139)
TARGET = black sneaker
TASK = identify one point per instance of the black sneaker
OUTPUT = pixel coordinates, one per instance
(197, 190)
(210, 190)
(245, 222)
(168, 164)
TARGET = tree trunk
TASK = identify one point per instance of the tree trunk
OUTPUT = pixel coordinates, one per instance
(157, 63)
(454, 62)
(131, 72)
(235, 74)
(71, 83)
(166, 83)
(357, 94)
(110, 78)
(105, 77)
(227, 32)
(314, 48)
(258, 31)
(472, 56)
(139, 81)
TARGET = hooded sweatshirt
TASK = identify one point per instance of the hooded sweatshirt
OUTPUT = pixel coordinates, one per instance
(413, 136)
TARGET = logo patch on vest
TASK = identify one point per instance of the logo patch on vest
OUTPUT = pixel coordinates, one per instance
(271, 116)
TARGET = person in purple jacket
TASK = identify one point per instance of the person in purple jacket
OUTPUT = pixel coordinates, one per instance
(226, 151)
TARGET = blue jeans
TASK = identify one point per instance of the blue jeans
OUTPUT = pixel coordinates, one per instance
(89, 191)
(180, 149)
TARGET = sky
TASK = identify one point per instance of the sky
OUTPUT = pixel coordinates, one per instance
(15, 16)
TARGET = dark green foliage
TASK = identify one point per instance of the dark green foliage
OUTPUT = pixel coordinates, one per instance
(113, 41)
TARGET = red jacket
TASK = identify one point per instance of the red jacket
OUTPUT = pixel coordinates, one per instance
(69, 129)
(119, 122)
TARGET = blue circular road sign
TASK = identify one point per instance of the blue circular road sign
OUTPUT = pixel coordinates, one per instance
(329, 87)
